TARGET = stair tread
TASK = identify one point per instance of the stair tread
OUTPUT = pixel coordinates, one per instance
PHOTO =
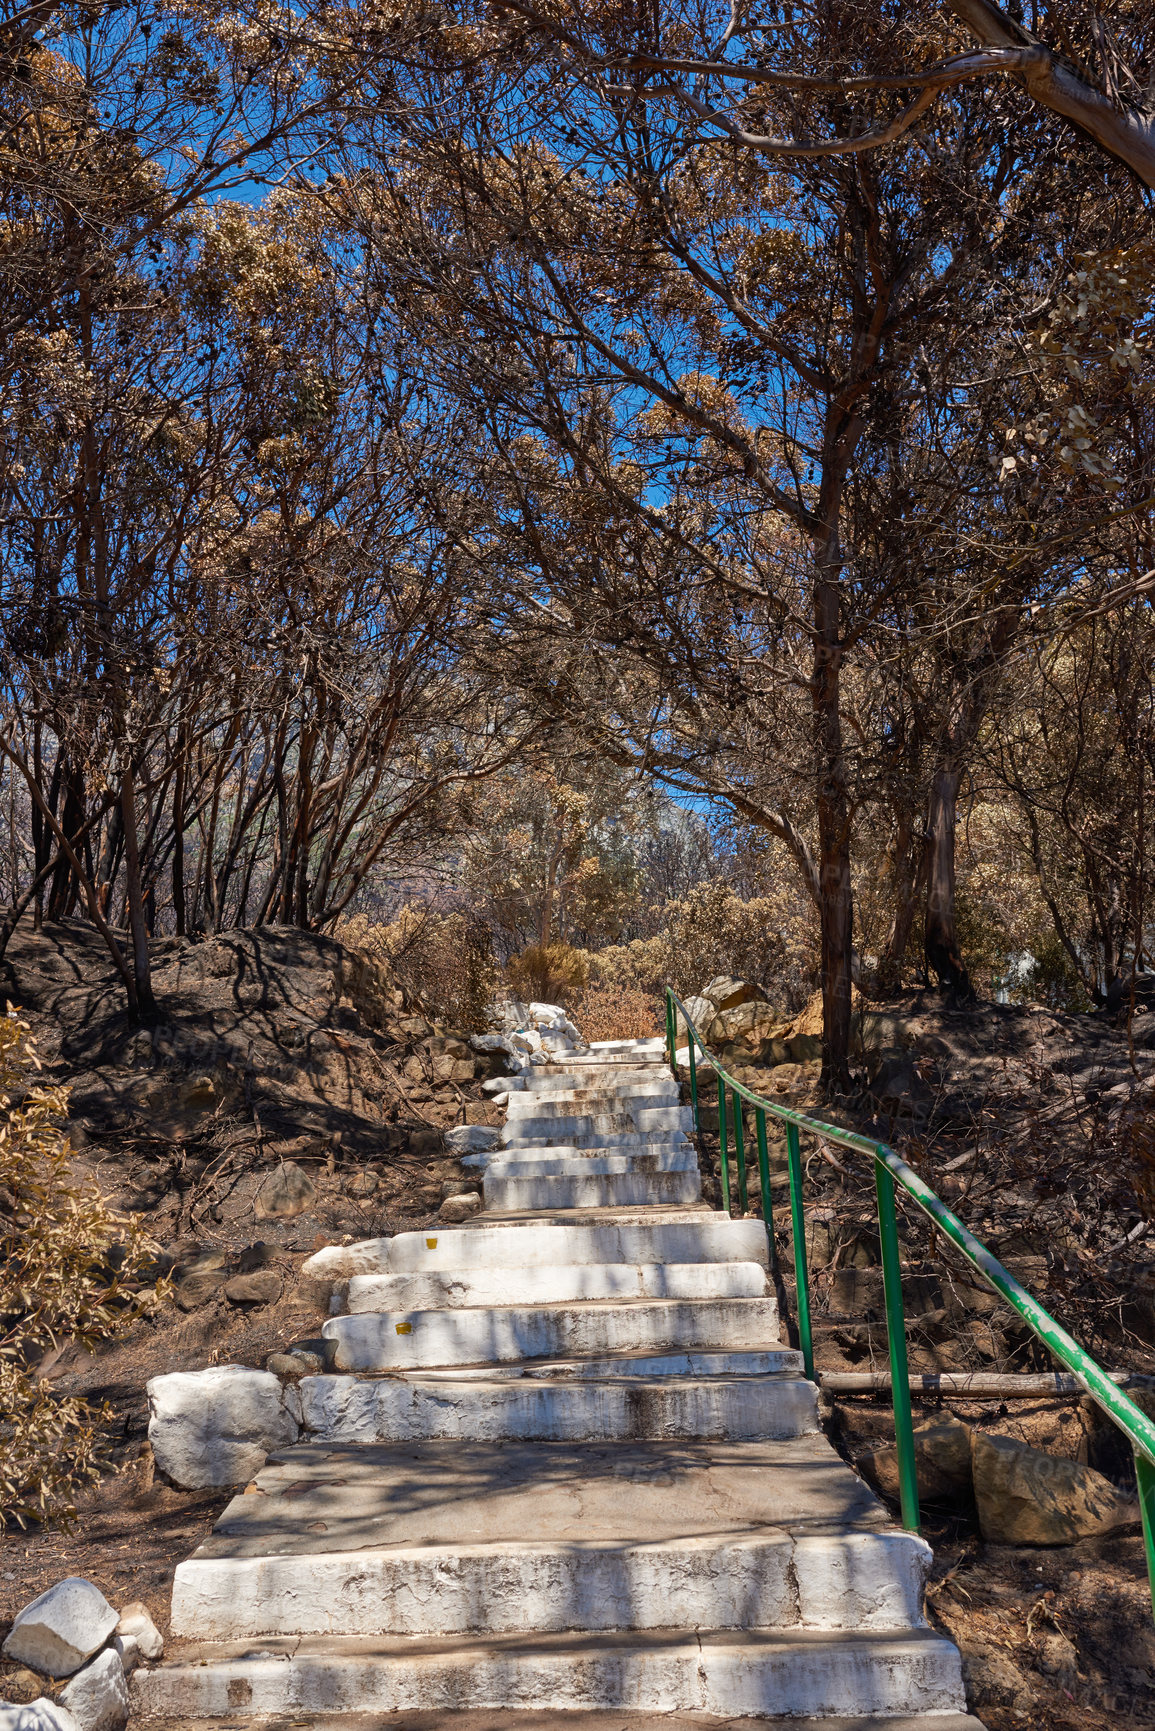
(537, 1493)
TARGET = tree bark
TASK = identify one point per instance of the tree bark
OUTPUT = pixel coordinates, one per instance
(837, 904)
(137, 918)
(941, 940)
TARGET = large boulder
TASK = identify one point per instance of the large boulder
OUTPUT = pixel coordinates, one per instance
(97, 1697)
(942, 1458)
(1026, 1497)
(62, 1628)
(700, 1011)
(216, 1426)
(726, 993)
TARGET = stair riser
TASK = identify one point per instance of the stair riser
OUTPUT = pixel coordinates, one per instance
(560, 1138)
(341, 1409)
(614, 1190)
(709, 1240)
(539, 1163)
(571, 1102)
(794, 1682)
(605, 1078)
(498, 1286)
(866, 1582)
(564, 1127)
(426, 1338)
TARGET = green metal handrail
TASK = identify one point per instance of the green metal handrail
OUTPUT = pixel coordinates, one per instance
(891, 1170)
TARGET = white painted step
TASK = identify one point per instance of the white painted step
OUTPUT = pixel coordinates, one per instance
(708, 1238)
(553, 1104)
(612, 1190)
(410, 1340)
(548, 1162)
(563, 1285)
(563, 1127)
(794, 1674)
(448, 1539)
(619, 1407)
(579, 1133)
(612, 1078)
(544, 1719)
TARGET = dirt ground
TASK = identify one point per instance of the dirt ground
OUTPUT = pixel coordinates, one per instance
(276, 1047)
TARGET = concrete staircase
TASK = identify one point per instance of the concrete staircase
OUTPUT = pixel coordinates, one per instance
(564, 1464)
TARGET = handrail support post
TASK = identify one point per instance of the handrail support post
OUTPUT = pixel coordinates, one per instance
(896, 1339)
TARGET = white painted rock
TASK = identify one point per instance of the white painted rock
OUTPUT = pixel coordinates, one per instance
(472, 1138)
(215, 1427)
(39, 1715)
(137, 1637)
(503, 1085)
(58, 1631)
(97, 1697)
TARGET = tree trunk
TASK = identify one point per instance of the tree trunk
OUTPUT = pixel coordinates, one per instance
(837, 907)
(137, 920)
(941, 940)
(178, 896)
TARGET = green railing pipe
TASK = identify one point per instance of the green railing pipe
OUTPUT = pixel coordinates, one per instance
(1131, 1420)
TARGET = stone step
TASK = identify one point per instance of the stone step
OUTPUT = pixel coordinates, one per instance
(432, 1540)
(576, 1136)
(610, 1190)
(546, 1162)
(544, 1719)
(564, 1285)
(611, 1078)
(621, 1406)
(410, 1340)
(649, 1095)
(647, 1120)
(751, 1673)
(709, 1237)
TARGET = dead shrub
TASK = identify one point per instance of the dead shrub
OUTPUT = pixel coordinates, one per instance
(548, 973)
(442, 963)
(618, 1012)
(72, 1270)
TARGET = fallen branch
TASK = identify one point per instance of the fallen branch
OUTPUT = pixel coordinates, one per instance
(979, 1384)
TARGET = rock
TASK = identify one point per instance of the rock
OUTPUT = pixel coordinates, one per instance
(294, 1365)
(504, 1085)
(472, 1138)
(192, 1290)
(199, 1096)
(1058, 1659)
(58, 1631)
(22, 1685)
(425, 1142)
(286, 1192)
(254, 1256)
(726, 993)
(39, 1715)
(136, 1625)
(455, 1209)
(700, 1011)
(215, 1427)
(460, 1187)
(942, 1453)
(362, 1183)
(97, 1697)
(263, 1286)
(1026, 1497)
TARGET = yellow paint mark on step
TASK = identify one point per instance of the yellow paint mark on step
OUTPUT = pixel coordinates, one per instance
(405, 1328)
(431, 1244)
